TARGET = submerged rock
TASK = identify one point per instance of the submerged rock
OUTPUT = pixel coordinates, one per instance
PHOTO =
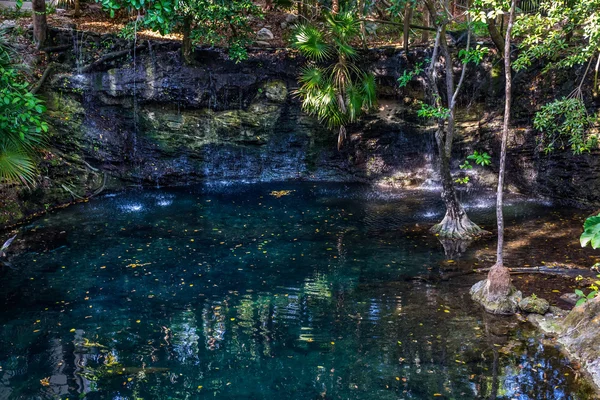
(534, 305)
(504, 306)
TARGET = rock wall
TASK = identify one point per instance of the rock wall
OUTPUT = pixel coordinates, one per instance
(150, 120)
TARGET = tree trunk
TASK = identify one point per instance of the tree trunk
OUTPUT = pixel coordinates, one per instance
(363, 32)
(335, 6)
(77, 12)
(425, 32)
(40, 26)
(268, 5)
(408, 11)
(499, 277)
(495, 35)
(456, 224)
(186, 46)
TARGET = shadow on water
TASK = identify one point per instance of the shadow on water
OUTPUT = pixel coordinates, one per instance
(260, 291)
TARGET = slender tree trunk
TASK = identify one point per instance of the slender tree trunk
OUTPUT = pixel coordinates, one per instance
(499, 277)
(408, 11)
(40, 26)
(425, 32)
(186, 46)
(363, 32)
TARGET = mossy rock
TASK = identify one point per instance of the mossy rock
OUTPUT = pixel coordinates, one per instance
(276, 91)
(503, 306)
(534, 305)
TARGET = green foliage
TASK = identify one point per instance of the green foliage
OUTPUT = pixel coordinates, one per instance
(332, 86)
(591, 232)
(563, 122)
(430, 111)
(211, 21)
(466, 165)
(462, 181)
(482, 10)
(396, 7)
(407, 76)
(22, 129)
(564, 33)
(582, 297)
(473, 55)
(483, 159)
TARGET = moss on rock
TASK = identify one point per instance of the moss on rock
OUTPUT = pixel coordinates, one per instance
(534, 305)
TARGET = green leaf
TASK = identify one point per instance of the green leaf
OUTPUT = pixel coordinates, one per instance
(592, 294)
(579, 293)
(591, 233)
(580, 302)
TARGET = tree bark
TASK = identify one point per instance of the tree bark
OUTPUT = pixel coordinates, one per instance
(40, 25)
(425, 32)
(408, 11)
(186, 46)
(77, 12)
(335, 6)
(499, 276)
(495, 35)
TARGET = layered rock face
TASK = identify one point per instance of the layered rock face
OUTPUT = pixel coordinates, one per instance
(150, 120)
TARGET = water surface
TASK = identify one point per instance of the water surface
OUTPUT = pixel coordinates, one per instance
(295, 291)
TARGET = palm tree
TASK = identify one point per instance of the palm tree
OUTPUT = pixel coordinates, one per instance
(333, 88)
(22, 131)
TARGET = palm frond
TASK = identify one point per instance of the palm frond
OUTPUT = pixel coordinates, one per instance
(344, 49)
(355, 101)
(368, 90)
(311, 42)
(17, 167)
(311, 76)
(343, 25)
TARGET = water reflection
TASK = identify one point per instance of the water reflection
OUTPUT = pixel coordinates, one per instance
(234, 293)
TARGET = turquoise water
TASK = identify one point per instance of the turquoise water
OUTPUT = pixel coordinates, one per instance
(295, 291)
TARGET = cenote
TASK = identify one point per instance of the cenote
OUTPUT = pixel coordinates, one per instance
(262, 291)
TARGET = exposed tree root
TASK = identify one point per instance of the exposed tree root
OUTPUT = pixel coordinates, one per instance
(47, 72)
(458, 228)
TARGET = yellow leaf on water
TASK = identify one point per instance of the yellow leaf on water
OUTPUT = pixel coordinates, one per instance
(72, 330)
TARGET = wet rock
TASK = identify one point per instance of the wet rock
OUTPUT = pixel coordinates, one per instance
(550, 324)
(284, 25)
(264, 34)
(503, 306)
(534, 305)
(582, 334)
(262, 43)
